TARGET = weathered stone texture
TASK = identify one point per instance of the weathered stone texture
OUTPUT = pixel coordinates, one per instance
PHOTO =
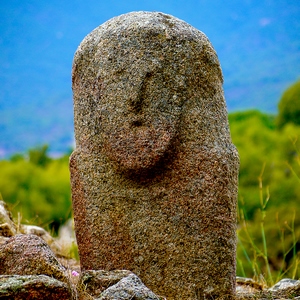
(118, 284)
(33, 287)
(129, 287)
(154, 173)
(97, 281)
(29, 255)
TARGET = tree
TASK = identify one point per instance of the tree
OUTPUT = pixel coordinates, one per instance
(38, 155)
(289, 106)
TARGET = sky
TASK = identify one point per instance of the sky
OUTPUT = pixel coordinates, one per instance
(258, 44)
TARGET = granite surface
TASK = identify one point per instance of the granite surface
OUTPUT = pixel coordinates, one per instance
(154, 172)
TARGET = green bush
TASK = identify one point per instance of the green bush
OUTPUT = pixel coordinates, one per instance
(269, 194)
(39, 192)
(289, 106)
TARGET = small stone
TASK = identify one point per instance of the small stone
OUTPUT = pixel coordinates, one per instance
(247, 286)
(284, 284)
(33, 287)
(29, 255)
(284, 289)
(7, 225)
(96, 281)
(129, 287)
(6, 230)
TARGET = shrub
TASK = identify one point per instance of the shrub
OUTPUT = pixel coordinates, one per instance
(289, 106)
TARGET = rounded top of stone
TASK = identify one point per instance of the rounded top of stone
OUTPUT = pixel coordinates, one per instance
(152, 31)
(141, 22)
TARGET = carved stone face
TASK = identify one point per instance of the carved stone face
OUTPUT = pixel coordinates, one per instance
(148, 88)
(139, 112)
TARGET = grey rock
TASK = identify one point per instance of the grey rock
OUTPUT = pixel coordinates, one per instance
(129, 287)
(284, 289)
(33, 287)
(284, 284)
(247, 286)
(96, 281)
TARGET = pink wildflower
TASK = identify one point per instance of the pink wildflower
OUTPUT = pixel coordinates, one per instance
(74, 273)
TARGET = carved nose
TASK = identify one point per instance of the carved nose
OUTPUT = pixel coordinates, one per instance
(135, 102)
(138, 96)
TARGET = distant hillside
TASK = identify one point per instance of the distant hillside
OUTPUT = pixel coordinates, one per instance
(257, 41)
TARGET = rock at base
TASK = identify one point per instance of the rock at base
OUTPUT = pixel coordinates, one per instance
(248, 289)
(97, 281)
(117, 284)
(33, 287)
(130, 287)
(29, 255)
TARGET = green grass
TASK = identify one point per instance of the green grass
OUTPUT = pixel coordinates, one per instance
(253, 259)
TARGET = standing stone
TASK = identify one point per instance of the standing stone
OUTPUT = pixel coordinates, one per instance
(154, 173)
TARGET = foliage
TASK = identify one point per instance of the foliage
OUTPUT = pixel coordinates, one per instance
(39, 156)
(266, 251)
(37, 187)
(269, 194)
(260, 144)
(289, 106)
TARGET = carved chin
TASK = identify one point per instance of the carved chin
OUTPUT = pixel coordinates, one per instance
(138, 149)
